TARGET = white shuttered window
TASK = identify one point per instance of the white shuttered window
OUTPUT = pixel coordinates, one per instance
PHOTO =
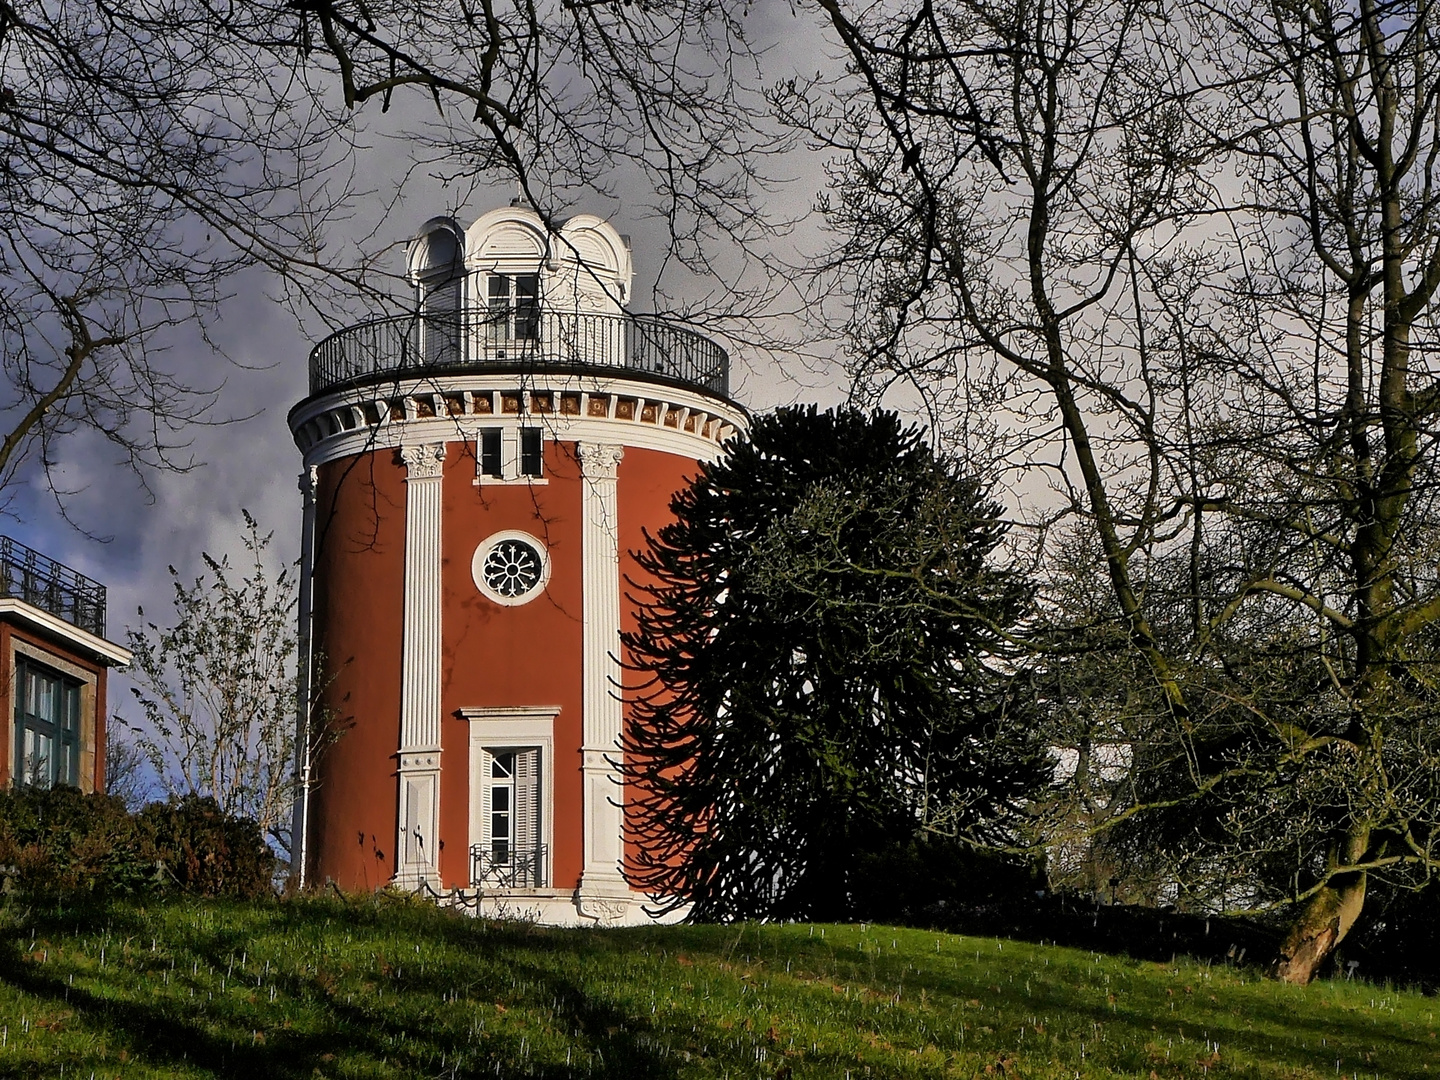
(512, 853)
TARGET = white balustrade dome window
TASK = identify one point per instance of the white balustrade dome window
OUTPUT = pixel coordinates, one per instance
(438, 277)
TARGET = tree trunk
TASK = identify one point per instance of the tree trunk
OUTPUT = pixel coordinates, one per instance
(1321, 925)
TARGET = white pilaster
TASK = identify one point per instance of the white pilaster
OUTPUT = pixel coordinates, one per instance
(418, 817)
(603, 893)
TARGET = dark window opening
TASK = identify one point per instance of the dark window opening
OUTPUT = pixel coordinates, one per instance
(490, 461)
(531, 462)
(514, 302)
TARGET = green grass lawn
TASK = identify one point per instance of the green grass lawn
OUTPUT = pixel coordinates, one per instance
(385, 989)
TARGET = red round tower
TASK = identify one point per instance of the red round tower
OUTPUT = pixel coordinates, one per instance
(476, 477)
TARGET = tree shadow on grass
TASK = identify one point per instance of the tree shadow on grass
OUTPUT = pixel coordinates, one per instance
(368, 1007)
(167, 1032)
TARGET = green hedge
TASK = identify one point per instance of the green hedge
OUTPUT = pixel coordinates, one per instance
(57, 842)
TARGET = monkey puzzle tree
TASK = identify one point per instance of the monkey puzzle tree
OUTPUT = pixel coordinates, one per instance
(823, 645)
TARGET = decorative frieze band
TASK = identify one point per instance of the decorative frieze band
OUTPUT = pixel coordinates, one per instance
(349, 421)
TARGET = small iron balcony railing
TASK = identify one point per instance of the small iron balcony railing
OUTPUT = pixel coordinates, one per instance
(27, 575)
(525, 337)
(502, 865)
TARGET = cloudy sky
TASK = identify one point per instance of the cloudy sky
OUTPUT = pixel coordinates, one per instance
(251, 462)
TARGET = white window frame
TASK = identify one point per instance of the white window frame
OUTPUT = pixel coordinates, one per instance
(482, 552)
(89, 692)
(515, 727)
(509, 454)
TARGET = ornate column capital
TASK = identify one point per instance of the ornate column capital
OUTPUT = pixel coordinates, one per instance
(308, 480)
(423, 462)
(599, 460)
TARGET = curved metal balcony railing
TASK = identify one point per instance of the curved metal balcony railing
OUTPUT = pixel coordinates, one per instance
(525, 338)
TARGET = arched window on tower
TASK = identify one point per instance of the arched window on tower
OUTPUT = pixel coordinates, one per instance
(439, 270)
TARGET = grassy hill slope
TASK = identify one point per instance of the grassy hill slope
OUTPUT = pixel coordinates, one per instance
(390, 989)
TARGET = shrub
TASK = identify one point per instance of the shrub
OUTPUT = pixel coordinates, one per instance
(934, 882)
(62, 843)
(207, 852)
(58, 841)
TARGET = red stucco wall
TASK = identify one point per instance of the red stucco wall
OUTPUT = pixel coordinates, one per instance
(492, 656)
(358, 606)
(648, 479)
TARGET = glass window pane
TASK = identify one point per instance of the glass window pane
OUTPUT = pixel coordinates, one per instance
(38, 759)
(490, 452)
(72, 765)
(530, 458)
(527, 307)
(44, 706)
(70, 714)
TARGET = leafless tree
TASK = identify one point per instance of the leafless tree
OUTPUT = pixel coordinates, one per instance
(125, 766)
(149, 154)
(1181, 264)
(155, 149)
(656, 105)
(217, 689)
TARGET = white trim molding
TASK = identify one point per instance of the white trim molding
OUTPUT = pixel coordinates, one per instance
(514, 728)
(603, 894)
(82, 641)
(417, 820)
(489, 544)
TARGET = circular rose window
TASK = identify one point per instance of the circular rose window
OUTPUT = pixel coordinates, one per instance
(510, 568)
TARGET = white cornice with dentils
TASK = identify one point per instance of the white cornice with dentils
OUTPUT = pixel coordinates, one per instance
(107, 652)
(636, 433)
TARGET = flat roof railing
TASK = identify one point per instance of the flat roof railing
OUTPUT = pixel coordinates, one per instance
(38, 580)
(521, 337)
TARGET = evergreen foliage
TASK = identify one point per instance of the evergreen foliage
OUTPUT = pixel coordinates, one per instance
(64, 844)
(823, 640)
